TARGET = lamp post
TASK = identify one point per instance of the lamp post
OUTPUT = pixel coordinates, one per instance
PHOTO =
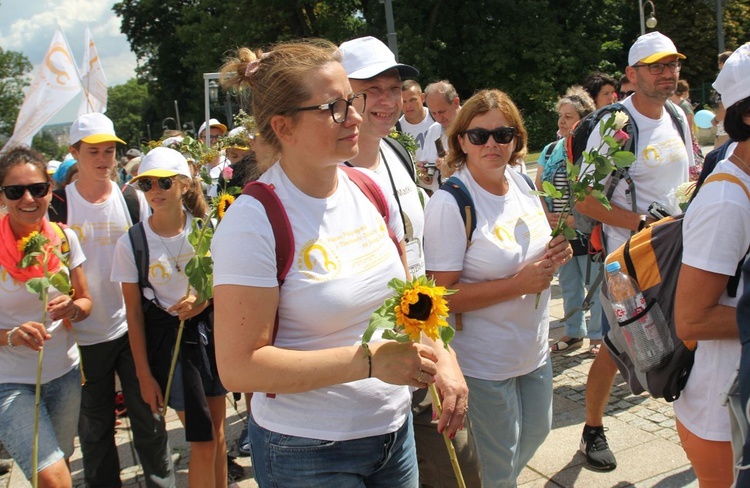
(651, 21)
(164, 125)
(209, 85)
(390, 26)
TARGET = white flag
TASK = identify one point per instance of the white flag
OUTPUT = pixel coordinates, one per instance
(93, 80)
(56, 84)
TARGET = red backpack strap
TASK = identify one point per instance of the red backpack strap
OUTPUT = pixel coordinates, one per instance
(373, 193)
(282, 234)
(282, 229)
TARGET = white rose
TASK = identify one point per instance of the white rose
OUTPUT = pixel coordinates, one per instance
(621, 118)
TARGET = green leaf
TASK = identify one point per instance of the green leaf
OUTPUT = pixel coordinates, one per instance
(623, 159)
(446, 335)
(550, 190)
(601, 199)
(392, 335)
(29, 260)
(61, 281)
(569, 233)
(192, 266)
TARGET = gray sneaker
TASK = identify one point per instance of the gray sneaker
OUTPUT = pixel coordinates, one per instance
(594, 446)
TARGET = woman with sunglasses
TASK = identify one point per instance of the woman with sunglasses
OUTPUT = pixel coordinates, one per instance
(327, 411)
(155, 311)
(502, 344)
(553, 161)
(25, 196)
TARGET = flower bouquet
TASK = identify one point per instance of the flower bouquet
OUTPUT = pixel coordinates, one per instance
(417, 307)
(586, 179)
(37, 251)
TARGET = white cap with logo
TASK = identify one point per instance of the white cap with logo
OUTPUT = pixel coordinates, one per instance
(163, 162)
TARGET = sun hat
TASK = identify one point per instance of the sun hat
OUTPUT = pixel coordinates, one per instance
(133, 153)
(92, 129)
(212, 123)
(651, 47)
(52, 166)
(366, 57)
(732, 82)
(163, 162)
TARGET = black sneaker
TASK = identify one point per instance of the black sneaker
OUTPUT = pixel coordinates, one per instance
(5, 465)
(594, 446)
(234, 471)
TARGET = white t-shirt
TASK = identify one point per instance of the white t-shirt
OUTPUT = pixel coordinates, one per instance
(418, 131)
(430, 154)
(408, 196)
(343, 261)
(17, 306)
(215, 173)
(99, 226)
(716, 235)
(169, 284)
(508, 339)
(661, 165)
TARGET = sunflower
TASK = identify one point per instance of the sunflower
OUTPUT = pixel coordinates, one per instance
(223, 203)
(422, 309)
(31, 242)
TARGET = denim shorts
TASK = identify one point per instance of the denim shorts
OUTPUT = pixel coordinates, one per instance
(381, 461)
(58, 420)
(212, 387)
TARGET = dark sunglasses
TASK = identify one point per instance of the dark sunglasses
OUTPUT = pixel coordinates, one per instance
(502, 135)
(626, 94)
(145, 184)
(16, 192)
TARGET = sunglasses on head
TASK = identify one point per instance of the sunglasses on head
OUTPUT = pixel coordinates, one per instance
(145, 184)
(16, 192)
(502, 135)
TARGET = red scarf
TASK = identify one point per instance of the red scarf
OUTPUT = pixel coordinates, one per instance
(10, 255)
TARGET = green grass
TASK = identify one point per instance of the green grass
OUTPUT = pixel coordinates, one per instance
(532, 157)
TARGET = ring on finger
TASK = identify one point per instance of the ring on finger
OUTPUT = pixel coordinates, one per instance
(420, 377)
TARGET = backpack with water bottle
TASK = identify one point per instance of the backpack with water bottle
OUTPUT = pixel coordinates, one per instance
(652, 258)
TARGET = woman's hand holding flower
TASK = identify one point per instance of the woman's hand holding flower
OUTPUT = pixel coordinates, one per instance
(31, 335)
(404, 363)
(62, 307)
(536, 277)
(455, 396)
(559, 251)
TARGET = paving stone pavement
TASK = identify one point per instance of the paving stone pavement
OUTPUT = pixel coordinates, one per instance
(641, 433)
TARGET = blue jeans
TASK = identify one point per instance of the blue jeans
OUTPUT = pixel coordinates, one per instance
(285, 461)
(572, 283)
(510, 420)
(58, 420)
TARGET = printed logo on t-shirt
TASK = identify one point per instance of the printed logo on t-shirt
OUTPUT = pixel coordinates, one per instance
(318, 261)
(670, 151)
(8, 283)
(79, 233)
(509, 234)
(159, 273)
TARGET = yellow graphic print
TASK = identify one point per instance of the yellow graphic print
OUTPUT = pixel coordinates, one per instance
(79, 233)
(59, 74)
(651, 157)
(318, 261)
(158, 273)
(8, 283)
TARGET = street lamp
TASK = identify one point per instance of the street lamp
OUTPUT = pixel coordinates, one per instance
(164, 125)
(390, 26)
(651, 21)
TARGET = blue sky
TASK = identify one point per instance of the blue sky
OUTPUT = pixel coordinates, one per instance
(27, 26)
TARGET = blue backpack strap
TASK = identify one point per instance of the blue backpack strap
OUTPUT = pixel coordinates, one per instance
(458, 189)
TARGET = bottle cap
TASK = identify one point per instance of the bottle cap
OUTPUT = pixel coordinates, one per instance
(613, 267)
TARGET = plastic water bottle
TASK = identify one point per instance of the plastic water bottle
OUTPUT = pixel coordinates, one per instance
(648, 336)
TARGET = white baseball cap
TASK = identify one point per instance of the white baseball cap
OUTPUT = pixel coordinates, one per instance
(652, 47)
(732, 82)
(93, 128)
(52, 166)
(163, 162)
(212, 123)
(366, 57)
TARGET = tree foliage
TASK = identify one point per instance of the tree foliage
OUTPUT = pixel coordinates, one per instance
(14, 67)
(45, 143)
(533, 49)
(126, 106)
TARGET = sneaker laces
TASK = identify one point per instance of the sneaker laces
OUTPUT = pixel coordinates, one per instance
(597, 441)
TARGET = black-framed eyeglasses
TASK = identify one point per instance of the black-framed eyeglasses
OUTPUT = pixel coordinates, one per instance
(502, 135)
(340, 108)
(16, 192)
(165, 183)
(658, 68)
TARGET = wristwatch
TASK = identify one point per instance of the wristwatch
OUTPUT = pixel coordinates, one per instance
(642, 224)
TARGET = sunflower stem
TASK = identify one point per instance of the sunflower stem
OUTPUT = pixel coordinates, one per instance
(448, 444)
(38, 397)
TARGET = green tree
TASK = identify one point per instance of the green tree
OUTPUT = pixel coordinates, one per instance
(46, 144)
(14, 67)
(126, 106)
